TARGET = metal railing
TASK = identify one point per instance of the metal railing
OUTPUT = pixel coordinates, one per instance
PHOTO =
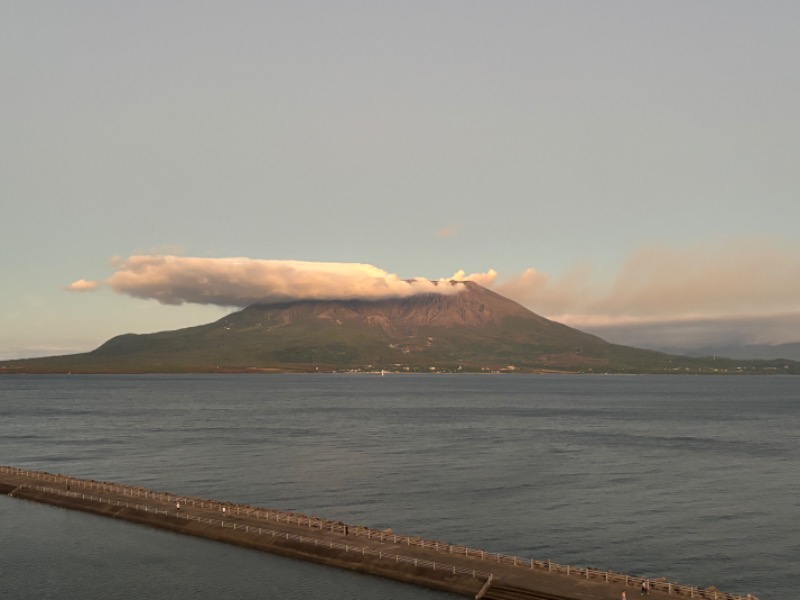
(264, 531)
(383, 535)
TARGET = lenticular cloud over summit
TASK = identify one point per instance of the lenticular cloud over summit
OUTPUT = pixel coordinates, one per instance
(244, 281)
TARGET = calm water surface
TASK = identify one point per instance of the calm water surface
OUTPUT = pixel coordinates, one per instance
(693, 478)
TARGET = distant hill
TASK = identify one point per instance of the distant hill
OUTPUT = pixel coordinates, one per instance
(789, 351)
(475, 330)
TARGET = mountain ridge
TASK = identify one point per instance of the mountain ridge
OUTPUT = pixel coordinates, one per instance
(470, 329)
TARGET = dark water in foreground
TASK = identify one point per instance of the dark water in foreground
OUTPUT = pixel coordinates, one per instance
(692, 478)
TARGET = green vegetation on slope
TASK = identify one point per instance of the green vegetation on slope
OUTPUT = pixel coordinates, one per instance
(473, 331)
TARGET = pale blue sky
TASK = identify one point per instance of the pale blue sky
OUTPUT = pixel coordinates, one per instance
(610, 146)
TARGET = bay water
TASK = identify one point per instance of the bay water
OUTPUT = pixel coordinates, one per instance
(696, 479)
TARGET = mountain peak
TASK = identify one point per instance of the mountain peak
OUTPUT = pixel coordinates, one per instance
(468, 328)
(470, 306)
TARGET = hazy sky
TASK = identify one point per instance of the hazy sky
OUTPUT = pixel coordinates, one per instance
(619, 163)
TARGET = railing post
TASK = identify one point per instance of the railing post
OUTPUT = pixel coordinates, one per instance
(159, 498)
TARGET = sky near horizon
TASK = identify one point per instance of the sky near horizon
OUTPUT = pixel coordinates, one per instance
(628, 168)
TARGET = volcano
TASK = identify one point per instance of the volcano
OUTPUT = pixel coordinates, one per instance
(467, 328)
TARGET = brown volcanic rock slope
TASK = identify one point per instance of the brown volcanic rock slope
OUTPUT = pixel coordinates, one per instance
(472, 330)
(473, 306)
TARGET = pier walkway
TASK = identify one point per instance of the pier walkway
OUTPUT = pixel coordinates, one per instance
(434, 564)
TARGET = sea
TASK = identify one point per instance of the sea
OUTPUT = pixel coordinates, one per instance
(692, 478)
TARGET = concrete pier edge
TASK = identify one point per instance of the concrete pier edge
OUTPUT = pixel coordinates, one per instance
(438, 565)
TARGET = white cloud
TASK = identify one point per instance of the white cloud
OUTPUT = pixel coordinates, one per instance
(669, 292)
(243, 281)
(745, 288)
(741, 276)
(485, 279)
(447, 231)
(81, 285)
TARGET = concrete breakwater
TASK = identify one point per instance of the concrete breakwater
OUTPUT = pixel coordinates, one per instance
(434, 564)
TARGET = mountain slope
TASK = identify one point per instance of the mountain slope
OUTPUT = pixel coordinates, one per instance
(472, 330)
